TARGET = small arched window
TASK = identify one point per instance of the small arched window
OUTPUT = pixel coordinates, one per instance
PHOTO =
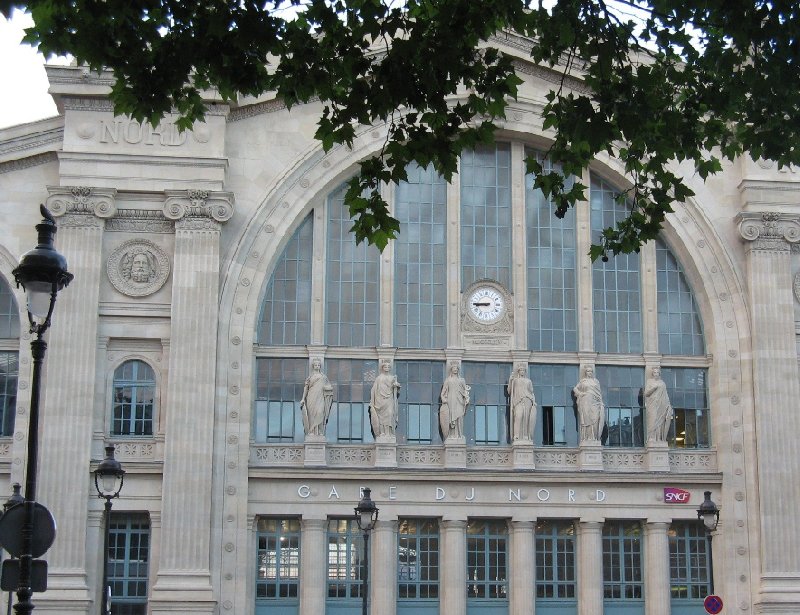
(133, 399)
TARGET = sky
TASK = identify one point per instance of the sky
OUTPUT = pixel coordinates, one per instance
(23, 82)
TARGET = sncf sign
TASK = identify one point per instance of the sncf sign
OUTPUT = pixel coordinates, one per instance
(673, 495)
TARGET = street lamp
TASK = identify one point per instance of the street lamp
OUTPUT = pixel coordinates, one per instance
(42, 272)
(108, 479)
(366, 517)
(708, 513)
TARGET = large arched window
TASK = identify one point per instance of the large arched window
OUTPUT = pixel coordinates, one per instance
(561, 311)
(9, 358)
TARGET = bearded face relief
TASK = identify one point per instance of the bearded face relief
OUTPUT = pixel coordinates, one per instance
(138, 268)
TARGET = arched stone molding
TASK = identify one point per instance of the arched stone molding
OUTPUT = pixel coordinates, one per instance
(19, 443)
(707, 262)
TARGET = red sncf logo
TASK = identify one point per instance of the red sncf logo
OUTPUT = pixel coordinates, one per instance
(673, 495)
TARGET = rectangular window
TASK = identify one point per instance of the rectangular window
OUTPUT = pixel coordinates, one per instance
(128, 562)
(351, 288)
(557, 424)
(9, 315)
(486, 422)
(345, 557)
(278, 560)
(420, 257)
(487, 560)
(134, 399)
(691, 424)
(419, 401)
(9, 371)
(352, 382)
(622, 394)
(689, 571)
(552, 282)
(622, 561)
(486, 214)
(616, 294)
(555, 560)
(279, 388)
(418, 559)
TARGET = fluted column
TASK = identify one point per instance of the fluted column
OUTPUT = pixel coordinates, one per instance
(523, 569)
(452, 568)
(656, 582)
(383, 568)
(590, 567)
(776, 386)
(69, 394)
(184, 576)
(313, 571)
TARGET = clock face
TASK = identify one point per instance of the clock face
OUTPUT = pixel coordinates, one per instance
(486, 304)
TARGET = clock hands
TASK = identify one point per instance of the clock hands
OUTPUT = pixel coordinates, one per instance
(482, 304)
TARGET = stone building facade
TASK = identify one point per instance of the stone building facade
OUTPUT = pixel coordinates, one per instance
(213, 267)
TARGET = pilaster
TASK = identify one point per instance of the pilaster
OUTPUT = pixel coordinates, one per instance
(522, 598)
(69, 388)
(183, 582)
(453, 599)
(590, 567)
(312, 571)
(383, 568)
(768, 236)
(656, 582)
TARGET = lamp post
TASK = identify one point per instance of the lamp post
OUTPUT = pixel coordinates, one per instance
(708, 513)
(108, 479)
(42, 272)
(366, 517)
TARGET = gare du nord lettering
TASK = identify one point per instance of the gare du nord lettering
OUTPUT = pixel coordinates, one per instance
(135, 133)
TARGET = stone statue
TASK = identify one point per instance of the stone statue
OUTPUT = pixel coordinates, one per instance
(523, 405)
(383, 403)
(591, 410)
(455, 397)
(316, 402)
(658, 408)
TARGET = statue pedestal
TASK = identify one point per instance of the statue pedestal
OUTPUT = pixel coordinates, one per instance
(657, 456)
(591, 456)
(522, 454)
(455, 452)
(314, 454)
(386, 452)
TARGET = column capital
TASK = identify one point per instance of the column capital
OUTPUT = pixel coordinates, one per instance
(769, 231)
(656, 527)
(188, 204)
(313, 524)
(590, 527)
(454, 524)
(88, 203)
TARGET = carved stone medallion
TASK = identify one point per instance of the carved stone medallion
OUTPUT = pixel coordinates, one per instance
(138, 268)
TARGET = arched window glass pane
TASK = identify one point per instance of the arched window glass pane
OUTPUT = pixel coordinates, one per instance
(279, 389)
(622, 394)
(286, 311)
(688, 394)
(556, 423)
(9, 314)
(551, 251)
(679, 328)
(616, 291)
(418, 403)
(134, 393)
(420, 253)
(486, 422)
(351, 290)
(486, 215)
(9, 371)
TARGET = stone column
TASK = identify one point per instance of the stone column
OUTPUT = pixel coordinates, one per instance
(769, 280)
(523, 569)
(183, 581)
(383, 568)
(657, 581)
(590, 567)
(314, 559)
(453, 569)
(68, 401)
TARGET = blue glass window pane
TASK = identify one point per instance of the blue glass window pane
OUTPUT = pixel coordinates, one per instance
(352, 382)
(688, 394)
(278, 559)
(9, 372)
(133, 399)
(128, 561)
(9, 313)
(623, 577)
(417, 559)
(345, 559)
(486, 422)
(689, 564)
(555, 560)
(419, 401)
(622, 394)
(557, 420)
(279, 389)
(487, 560)
(680, 330)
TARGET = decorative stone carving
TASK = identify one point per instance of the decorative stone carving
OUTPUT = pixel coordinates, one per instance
(140, 221)
(796, 286)
(383, 404)
(278, 455)
(503, 324)
(315, 404)
(81, 200)
(658, 408)
(138, 268)
(769, 230)
(523, 405)
(198, 204)
(591, 410)
(454, 397)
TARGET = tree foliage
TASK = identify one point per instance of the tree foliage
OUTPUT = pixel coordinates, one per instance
(668, 81)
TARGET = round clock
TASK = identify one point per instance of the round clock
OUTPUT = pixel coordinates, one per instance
(486, 304)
